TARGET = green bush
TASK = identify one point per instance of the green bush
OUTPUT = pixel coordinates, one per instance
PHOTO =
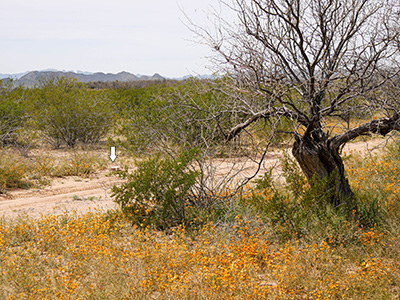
(157, 193)
(66, 112)
(298, 210)
(184, 114)
(12, 113)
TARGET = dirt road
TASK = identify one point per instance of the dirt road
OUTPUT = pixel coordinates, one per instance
(82, 194)
(64, 194)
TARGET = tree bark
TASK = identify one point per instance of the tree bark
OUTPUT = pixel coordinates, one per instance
(320, 160)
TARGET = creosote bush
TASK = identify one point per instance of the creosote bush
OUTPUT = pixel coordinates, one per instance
(12, 113)
(158, 192)
(66, 112)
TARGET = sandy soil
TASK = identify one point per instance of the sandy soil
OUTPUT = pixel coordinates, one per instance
(83, 194)
(64, 194)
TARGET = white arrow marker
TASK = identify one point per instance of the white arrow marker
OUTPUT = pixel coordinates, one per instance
(112, 155)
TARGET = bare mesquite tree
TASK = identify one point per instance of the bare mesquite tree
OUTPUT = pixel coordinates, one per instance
(311, 61)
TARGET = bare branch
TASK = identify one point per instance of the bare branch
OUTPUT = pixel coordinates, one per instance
(238, 128)
(380, 126)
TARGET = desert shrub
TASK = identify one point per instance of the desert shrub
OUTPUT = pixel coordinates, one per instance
(303, 211)
(66, 112)
(181, 114)
(12, 113)
(75, 164)
(309, 219)
(43, 166)
(375, 181)
(12, 172)
(157, 193)
(78, 164)
(368, 209)
(392, 153)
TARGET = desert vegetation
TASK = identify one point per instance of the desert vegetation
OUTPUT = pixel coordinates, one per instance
(178, 235)
(310, 76)
(273, 242)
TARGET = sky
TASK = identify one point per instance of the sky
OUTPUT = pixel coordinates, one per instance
(137, 36)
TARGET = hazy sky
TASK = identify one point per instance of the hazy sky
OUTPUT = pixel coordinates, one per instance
(138, 36)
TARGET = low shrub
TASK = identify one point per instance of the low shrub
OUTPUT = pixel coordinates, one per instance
(158, 192)
(78, 164)
(298, 210)
(12, 172)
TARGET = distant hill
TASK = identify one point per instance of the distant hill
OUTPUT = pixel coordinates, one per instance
(13, 76)
(33, 78)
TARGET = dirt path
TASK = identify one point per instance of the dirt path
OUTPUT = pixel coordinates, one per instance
(82, 194)
(64, 194)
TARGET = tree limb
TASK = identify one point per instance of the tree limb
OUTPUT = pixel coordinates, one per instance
(380, 126)
(238, 128)
(267, 113)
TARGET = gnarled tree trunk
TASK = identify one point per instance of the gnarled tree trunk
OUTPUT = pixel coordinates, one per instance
(320, 160)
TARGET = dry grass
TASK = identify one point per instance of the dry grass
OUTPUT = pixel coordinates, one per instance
(17, 171)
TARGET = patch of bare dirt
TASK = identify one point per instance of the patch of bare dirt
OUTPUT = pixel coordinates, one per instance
(64, 194)
(82, 194)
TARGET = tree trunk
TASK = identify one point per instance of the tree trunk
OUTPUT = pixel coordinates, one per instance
(320, 160)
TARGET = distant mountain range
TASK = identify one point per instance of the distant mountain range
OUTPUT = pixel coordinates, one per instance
(32, 78)
(13, 76)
